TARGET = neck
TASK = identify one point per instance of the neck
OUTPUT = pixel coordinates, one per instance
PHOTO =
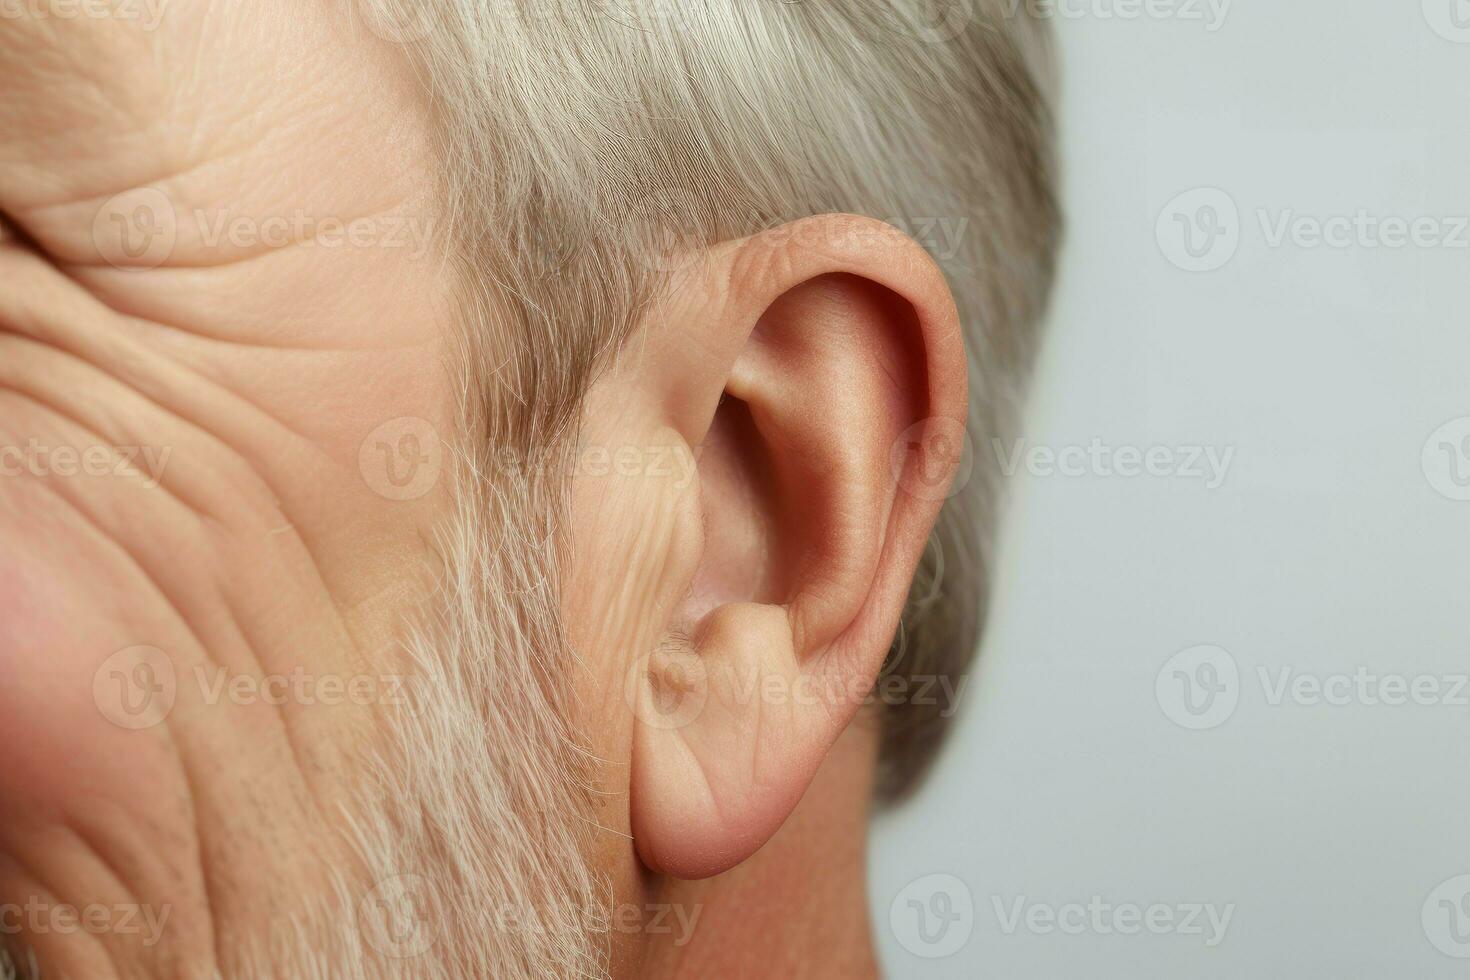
(798, 908)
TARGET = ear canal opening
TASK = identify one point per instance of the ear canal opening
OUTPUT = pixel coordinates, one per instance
(751, 530)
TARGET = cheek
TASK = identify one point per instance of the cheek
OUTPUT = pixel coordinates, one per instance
(55, 638)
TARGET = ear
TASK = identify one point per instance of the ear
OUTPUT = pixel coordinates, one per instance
(818, 374)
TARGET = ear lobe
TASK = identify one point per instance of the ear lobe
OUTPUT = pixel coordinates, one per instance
(836, 356)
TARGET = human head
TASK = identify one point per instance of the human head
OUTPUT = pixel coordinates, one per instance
(796, 252)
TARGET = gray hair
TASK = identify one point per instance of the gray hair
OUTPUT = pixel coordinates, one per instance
(582, 145)
(582, 138)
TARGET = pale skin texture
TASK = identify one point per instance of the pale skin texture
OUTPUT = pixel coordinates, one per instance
(263, 549)
(268, 546)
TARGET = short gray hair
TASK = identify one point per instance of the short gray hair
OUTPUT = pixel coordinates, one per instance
(579, 136)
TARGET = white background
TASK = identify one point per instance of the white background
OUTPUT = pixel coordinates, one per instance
(1326, 549)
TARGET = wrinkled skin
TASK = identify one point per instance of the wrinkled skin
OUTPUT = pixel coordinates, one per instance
(262, 297)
